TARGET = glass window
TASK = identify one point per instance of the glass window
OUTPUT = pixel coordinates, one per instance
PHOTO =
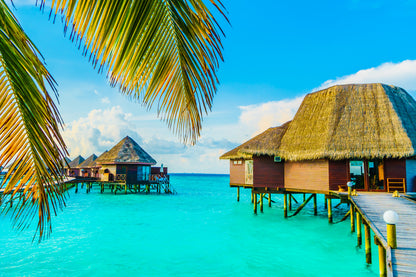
(357, 174)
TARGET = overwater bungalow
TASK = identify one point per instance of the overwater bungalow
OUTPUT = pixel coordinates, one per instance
(255, 164)
(361, 133)
(73, 170)
(126, 161)
(88, 167)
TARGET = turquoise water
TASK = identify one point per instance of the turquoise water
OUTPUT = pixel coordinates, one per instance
(201, 231)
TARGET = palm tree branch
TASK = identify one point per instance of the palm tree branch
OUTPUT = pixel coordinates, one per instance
(30, 142)
(158, 52)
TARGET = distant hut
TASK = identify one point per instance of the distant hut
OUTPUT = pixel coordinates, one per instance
(87, 166)
(125, 161)
(364, 133)
(73, 170)
(256, 163)
(64, 169)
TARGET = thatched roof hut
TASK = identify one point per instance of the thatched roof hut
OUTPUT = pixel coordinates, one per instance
(76, 162)
(352, 121)
(266, 143)
(126, 151)
(89, 162)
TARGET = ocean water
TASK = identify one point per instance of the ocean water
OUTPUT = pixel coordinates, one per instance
(201, 231)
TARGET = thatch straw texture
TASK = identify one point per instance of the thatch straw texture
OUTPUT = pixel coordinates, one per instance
(266, 143)
(126, 151)
(352, 121)
(76, 162)
(89, 162)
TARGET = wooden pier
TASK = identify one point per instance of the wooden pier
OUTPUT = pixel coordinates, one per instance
(371, 207)
(155, 186)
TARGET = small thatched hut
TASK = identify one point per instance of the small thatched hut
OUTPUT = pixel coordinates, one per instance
(125, 161)
(256, 163)
(87, 167)
(365, 133)
(73, 170)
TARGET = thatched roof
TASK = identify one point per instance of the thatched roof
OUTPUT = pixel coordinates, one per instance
(89, 162)
(76, 162)
(352, 121)
(126, 151)
(266, 143)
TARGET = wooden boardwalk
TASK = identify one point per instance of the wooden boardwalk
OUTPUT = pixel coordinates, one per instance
(400, 261)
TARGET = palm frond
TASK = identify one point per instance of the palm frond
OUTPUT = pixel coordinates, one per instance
(30, 142)
(160, 52)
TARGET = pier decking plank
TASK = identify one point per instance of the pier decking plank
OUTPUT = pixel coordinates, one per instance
(372, 207)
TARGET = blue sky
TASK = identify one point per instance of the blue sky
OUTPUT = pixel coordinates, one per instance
(275, 52)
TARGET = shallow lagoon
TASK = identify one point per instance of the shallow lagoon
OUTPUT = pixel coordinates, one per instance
(201, 231)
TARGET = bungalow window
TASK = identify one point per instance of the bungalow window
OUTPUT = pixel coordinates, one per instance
(367, 174)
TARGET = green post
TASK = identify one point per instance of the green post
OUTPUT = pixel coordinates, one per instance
(329, 210)
(270, 199)
(359, 237)
(381, 258)
(367, 243)
(285, 204)
(290, 201)
(238, 194)
(255, 202)
(315, 205)
(352, 217)
(261, 202)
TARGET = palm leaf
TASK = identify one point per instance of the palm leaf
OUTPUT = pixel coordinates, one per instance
(160, 52)
(30, 142)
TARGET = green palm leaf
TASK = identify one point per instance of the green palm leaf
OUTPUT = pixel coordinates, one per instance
(30, 142)
(160, 52)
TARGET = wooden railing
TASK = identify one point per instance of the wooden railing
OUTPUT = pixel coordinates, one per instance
(394, 184)
(120, 177)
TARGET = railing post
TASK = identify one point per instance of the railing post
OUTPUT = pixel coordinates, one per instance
(381, 258)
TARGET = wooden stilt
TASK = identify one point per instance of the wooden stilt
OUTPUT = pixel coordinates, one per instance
(76, 188)
(86, 188)
(315, 206)
(115, 189)
(290, 202)
(252, 197)
(381, 258)
(255, 202)
(238, 194)
(359, 237)
(285, 204)
(352, 216)
(261, 202)
(304, 197)
(302, 205)
(329, 210)
(270, 199)
(326, 204)
(125, 188)
(367, 243)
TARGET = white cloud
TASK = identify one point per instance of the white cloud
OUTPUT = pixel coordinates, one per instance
(105, 100)
(101, 129)
(274, 113)
(98, 131)
(401, 74)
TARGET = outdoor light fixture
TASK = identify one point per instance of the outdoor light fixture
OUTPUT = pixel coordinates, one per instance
(391, 217)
